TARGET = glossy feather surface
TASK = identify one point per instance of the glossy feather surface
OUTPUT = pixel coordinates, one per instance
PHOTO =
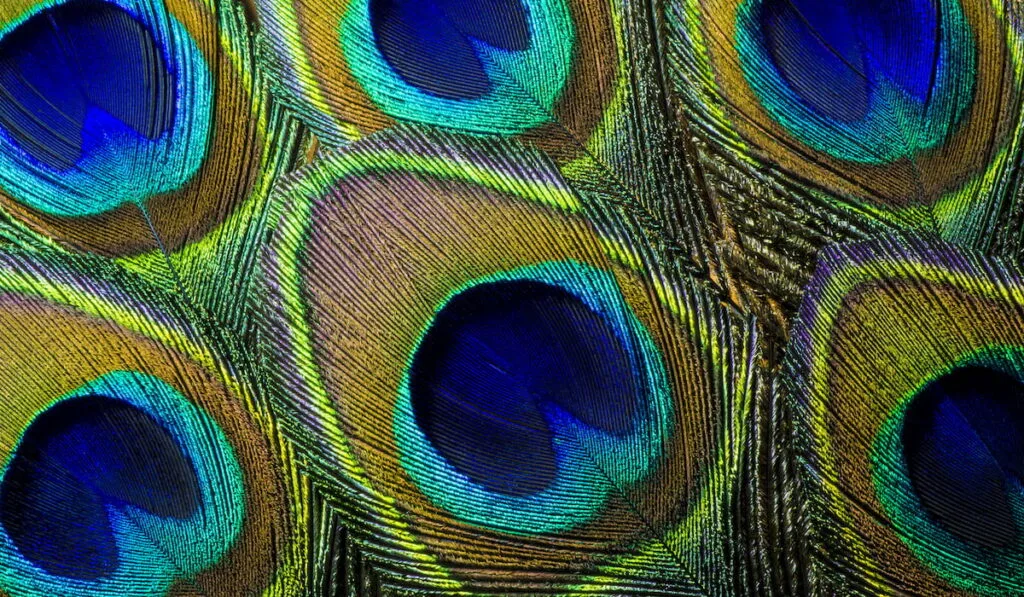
(511, 297)
(135, 462)
(508, 377)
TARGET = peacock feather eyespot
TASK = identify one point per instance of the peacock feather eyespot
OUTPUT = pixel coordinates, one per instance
(906, 376)
(105, 98)
(133, 458)
(898, 113)
(522, 389)
(897, 77)
(461, 64)
(139, 130)
(504, 67)
(103, 472)
(432, 46)
(48, 102)
(515, 372)
(948, 471)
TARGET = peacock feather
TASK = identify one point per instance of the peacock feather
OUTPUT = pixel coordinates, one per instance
(504, 67)
(305, 298)
(135, 461)
(138, 130)
(578, 79)
(514, 400)
(905, 382)
(839, 120)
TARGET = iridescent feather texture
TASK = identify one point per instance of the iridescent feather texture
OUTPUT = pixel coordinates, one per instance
(579, 79)
(904, 377)
(493, 67)
(138, 130)
(514, 400)
(136, 461)
(846, 119)
(306, 298)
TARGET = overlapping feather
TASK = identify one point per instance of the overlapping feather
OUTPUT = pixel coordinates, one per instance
(518, 328)
(823, 122)
(580, 79)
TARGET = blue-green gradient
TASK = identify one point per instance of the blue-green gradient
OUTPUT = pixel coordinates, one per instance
(505, 69)
(868, 81)
(106, 103)
(188, 533)
(585, 435)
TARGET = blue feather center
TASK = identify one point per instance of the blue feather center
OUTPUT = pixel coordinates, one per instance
(122, 486)
(488, 66)
(76, 459)
(76, 73)
(524, 392)
(963, 439)
(862, 80)
(498, 357)
(430, 44)
(833, 54)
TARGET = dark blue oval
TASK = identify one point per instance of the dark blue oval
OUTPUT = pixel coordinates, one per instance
(496, 358)
(963, 440)
(429, 42)
(832, 54)
(73, 73)
(76, 459)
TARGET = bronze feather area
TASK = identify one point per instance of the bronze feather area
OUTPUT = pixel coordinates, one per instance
(324, 298)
